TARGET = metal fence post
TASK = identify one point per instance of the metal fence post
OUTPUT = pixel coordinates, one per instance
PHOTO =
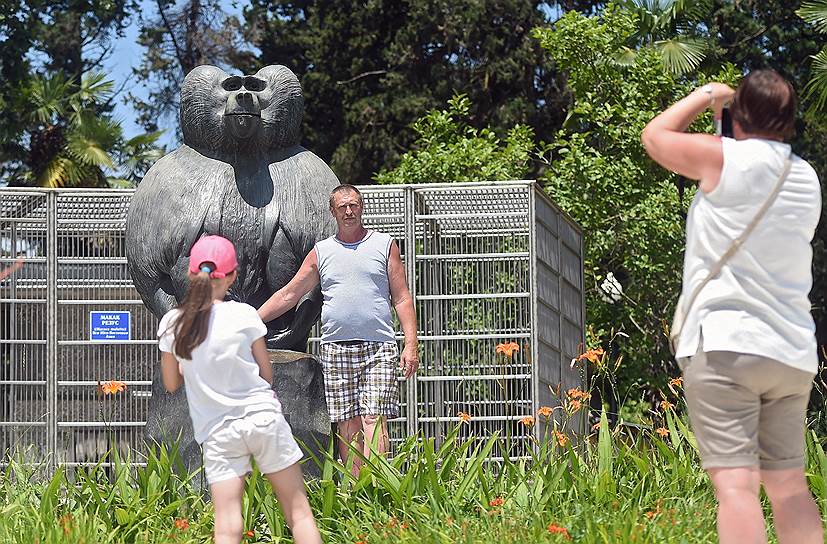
(410, 266)
(51, 328)
(533, 289)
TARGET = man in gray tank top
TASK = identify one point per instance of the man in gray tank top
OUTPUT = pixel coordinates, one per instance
(361, 276)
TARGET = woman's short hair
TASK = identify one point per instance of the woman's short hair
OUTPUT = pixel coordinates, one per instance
(765, 105)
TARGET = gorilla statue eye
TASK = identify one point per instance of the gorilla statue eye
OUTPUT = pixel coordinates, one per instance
(252, 83)
(232, 83)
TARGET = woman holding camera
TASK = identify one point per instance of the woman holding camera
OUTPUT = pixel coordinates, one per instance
(743, 334)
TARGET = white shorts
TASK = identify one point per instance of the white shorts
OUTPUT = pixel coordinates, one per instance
(265, 436)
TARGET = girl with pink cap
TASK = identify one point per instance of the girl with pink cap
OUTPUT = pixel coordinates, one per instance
(216, 349)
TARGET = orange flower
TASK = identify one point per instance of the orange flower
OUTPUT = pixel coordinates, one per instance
(528, 421)
(562, 439)
(577, 393)
(593, 355)
(495, 502)
(249, 534)
(112, 387)
(675, 382)
(66, 523)
(650, 514)
(574, 405)
(663, 431)
(544, 411)
(666, 405)
(555, 529)
(508, 349)
(182, 524)
(596, 426)
(463, 417)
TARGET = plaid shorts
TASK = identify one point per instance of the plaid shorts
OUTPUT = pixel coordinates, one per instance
(360, 379)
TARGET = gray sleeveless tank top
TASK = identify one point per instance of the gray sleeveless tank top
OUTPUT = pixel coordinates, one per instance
(355, 289)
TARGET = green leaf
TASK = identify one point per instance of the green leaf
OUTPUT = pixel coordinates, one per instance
(681, 55)
(815, 13)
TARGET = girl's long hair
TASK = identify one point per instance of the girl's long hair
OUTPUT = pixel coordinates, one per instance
(193, 319)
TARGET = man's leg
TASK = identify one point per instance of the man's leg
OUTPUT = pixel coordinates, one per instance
(740, 518)
(350, 433)
(375, 431)
(795, 513)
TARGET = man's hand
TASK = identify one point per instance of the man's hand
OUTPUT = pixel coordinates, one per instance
(409, 360)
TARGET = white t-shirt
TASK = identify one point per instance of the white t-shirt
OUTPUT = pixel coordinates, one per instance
(759, 302)
(222, 379)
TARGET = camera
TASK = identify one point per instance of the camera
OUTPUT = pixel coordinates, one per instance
(723, 126)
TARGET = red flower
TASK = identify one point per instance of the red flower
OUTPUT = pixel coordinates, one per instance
(498, 501)
(182, 524)
(555, 529)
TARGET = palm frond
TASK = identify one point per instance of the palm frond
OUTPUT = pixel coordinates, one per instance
(815, 13)
(48, 96)
(56, 173)
(94, 87)
(625, 56)
(816, 89)
(87, 151)
(681, 55)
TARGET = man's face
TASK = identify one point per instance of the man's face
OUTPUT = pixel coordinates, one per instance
(347, 209)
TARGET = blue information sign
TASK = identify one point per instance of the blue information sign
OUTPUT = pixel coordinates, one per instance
(109, 326)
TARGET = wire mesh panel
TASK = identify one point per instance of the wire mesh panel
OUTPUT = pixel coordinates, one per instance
(473, 292)
(487, 264)
(23, 338)
(92, 277)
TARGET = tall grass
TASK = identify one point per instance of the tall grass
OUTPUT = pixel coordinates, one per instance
(612, 486)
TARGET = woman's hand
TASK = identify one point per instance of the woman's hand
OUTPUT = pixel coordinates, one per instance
(720, 94)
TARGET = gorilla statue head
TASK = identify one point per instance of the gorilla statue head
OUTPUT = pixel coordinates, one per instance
(240, 115)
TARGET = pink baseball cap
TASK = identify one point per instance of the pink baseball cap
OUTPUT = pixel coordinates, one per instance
(216, 250)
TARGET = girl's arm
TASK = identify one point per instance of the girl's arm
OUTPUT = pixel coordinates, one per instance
(265, 367)
(170, 373)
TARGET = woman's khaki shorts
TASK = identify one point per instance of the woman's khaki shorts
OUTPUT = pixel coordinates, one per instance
(746, 410)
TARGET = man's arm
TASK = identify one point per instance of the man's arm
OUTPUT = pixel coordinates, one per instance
(6, 272)
(288, 296)
(403, 304)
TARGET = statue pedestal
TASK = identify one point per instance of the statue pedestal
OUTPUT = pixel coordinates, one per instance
(299, 385)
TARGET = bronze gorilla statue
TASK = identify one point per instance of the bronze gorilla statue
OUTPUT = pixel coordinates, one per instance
(242, 174)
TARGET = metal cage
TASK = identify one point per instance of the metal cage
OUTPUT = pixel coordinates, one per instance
(487, 264)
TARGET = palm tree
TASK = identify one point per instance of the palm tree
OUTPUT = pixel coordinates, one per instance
(70, 141)
(670, 27)
(815, 13)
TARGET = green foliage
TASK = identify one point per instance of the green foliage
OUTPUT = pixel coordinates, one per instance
(615, 485)
(66, 140)
(815, 13)
(600, 174)
(670, 28)
(369, 69)
(448, 149)
(57, 128)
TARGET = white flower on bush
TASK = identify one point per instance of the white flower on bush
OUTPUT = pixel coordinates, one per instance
(610, 289)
